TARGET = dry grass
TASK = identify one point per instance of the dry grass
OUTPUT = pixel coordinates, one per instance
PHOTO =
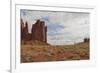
(42, 53)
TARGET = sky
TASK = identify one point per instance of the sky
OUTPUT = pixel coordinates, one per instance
(63, 28)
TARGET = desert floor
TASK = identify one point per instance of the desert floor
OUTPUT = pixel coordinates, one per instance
(45, 53)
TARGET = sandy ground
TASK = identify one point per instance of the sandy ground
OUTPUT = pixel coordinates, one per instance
(44, 53)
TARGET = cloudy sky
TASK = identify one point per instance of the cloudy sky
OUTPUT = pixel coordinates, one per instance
(63, 27)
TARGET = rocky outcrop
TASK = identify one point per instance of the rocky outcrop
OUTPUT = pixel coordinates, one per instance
(86, 39)
(38, 31)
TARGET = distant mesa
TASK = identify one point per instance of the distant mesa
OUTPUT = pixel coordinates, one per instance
(86, 40)
(38, 31)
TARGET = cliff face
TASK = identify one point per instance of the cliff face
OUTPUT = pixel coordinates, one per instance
(38, 31)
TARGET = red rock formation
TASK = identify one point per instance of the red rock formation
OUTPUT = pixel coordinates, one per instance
(22, 27)
(38, 31)
(46, 34)
(86, 39)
